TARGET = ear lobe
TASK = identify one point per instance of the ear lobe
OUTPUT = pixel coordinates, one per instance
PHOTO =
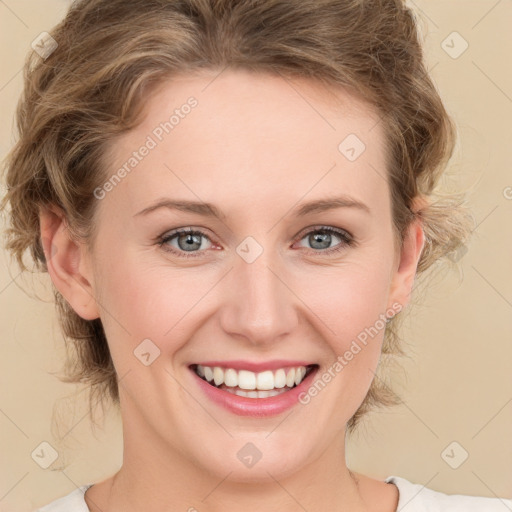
(404, 275)
(63, 260)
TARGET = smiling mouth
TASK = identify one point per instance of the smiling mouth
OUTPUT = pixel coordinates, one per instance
(249, 384)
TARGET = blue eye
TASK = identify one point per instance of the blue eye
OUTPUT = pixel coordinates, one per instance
(189, 242)
(323, 236)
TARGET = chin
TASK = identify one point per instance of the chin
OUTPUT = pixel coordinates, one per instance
(248, 459)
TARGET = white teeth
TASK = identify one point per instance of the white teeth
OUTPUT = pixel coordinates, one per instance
(218, 376)
(299, 375)
(290, 378)
(208, 372)
(230, 378)
(260, 394)
(267, 381)
(246, 380)
(280, 379)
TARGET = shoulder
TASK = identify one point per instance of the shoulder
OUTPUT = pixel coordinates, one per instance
(423, 499)
(72, 502)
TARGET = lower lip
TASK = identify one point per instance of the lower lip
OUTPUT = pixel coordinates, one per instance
(258, 407)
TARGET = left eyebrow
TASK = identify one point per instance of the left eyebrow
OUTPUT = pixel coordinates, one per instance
(330, 204)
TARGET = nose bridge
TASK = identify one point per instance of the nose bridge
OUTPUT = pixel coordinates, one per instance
(258, 304)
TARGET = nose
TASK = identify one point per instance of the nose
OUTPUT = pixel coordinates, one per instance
(259, 305)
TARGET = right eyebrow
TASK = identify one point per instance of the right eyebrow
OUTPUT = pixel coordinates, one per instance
(205, 209)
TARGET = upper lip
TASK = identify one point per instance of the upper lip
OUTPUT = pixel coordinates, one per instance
(252, 366)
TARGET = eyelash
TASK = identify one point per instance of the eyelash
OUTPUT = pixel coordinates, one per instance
(346, 237)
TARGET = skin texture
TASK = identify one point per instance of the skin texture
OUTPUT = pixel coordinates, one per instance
(257, 147)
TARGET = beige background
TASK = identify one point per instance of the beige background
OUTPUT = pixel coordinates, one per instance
(457, 385)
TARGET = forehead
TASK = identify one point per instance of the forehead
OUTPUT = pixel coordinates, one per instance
(246, 135)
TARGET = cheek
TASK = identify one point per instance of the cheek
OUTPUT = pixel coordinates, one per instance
(130, 306)
(348, 301)
(156, 303)
(351, 306)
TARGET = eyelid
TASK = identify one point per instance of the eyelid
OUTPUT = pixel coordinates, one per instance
(324, 227)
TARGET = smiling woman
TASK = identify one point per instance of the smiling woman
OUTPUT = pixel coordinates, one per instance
(234, 269)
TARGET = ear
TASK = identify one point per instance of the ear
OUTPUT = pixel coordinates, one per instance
(412, 247)
(67, 263)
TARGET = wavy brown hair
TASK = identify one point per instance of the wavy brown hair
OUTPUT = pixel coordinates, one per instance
(111, 53)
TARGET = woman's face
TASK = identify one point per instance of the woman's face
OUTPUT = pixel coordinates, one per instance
(278, 161)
